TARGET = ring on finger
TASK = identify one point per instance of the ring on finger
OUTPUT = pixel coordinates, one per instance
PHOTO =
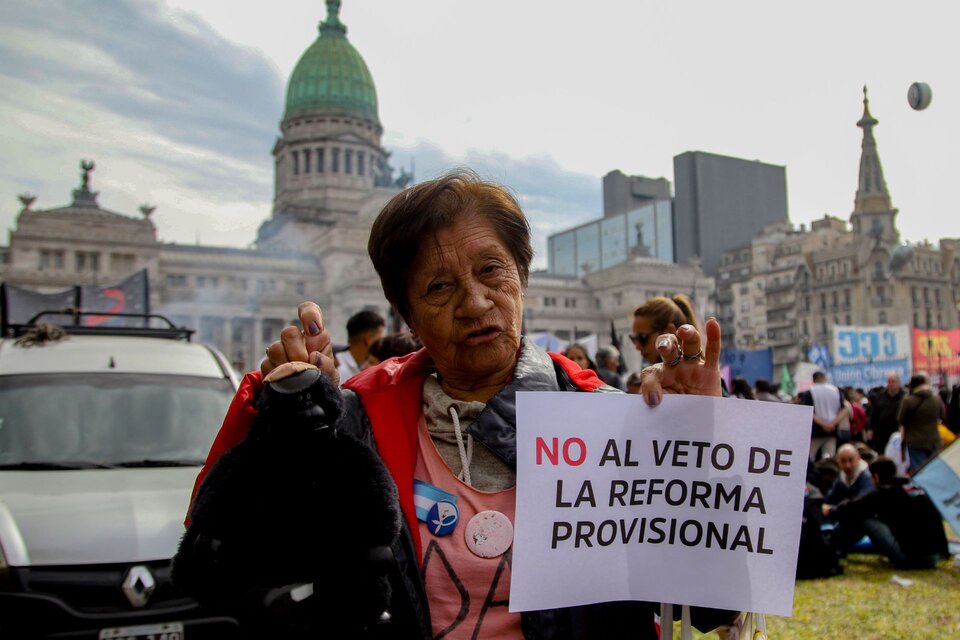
(676, 360)
(696, 356)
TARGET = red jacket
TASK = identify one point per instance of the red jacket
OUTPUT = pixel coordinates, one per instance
(391, 396)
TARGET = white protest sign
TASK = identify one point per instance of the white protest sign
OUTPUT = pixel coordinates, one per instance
(697, 501)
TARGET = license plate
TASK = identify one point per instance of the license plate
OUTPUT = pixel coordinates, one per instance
(164, 631)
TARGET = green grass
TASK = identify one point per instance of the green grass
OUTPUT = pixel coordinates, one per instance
(863, 603)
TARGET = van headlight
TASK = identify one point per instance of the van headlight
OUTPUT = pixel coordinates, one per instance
(4, 567)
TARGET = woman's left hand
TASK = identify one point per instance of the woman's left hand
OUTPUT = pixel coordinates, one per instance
(688, 366)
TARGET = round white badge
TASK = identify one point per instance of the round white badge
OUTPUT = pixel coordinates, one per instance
(489, 534)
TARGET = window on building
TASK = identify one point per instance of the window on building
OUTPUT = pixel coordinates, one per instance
(335, 160)
(176, 280)
(570, 303)
(823, 325)
(300, 287)
(835, 299)
(361, 159)
(882, 317)
(270, 329)
(926, 294)
(122, 262)
(320, 168)
(296, 162)
(348, 161)
(549, 301)
(913, 295)
(847, 318)
(306, 161)
(936, 296)
(87, 261)
(846, 298)
(823, 302)
(51, 259)
(878, 269)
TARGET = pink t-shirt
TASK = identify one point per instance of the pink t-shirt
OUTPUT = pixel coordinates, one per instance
(468, 595)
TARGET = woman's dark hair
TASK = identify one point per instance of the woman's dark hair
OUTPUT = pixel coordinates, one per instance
(762, 386)
(662, 311)
(394, 345)
(422, 210)
(740, 387)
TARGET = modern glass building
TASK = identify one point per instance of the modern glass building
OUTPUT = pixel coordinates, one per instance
(646, 231)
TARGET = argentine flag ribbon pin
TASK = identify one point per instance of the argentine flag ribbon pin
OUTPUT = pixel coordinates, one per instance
(436, 508)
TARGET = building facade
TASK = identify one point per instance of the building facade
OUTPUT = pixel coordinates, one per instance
(787, 288)
(332, 177)
(721, 202)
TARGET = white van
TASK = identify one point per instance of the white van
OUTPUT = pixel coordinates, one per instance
(102, 433)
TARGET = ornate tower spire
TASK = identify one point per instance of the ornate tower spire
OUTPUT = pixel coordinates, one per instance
(873, 214)
(872, 194)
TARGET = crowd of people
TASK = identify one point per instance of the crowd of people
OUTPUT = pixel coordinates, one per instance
(859, 494)
(431, 415)
(864, 446)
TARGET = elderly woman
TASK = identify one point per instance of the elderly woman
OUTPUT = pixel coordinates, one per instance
(453, 255)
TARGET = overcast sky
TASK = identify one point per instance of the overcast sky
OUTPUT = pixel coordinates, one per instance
(179, 101)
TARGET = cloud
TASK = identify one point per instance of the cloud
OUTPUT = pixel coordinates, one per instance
(176, 115)
(171, 111)
(178, 78)
(552, 197)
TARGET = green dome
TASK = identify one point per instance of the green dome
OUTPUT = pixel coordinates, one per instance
(331, 76)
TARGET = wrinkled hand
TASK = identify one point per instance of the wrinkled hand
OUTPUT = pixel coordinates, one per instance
(700, 376)
(311, 345)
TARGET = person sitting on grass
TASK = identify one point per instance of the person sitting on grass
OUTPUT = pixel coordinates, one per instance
(899, 517)
(854, 479)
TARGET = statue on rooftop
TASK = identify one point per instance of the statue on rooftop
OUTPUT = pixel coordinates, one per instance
(87, 166)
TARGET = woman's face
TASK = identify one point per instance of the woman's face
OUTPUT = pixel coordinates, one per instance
(646, 338)
(465, 301)
(579, 356)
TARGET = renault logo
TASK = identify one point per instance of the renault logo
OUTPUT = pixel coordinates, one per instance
(139, 585)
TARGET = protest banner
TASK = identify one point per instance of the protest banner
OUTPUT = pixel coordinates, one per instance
(865, 356)
(749, 365)
(867, 375)
(936, 351)
(697, 501)
(874, 344)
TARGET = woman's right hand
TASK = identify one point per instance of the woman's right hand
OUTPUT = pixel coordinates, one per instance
(310, 344)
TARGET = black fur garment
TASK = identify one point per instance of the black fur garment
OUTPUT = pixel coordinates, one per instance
(293, 505)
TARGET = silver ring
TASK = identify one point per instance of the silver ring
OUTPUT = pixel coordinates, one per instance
(676, 360)
(696, 356)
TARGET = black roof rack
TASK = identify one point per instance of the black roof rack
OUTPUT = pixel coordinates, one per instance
(64, 317)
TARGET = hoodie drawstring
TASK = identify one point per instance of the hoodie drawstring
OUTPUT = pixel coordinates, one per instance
(466, 452)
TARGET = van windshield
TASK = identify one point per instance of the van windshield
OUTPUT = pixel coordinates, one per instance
(71, 421)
